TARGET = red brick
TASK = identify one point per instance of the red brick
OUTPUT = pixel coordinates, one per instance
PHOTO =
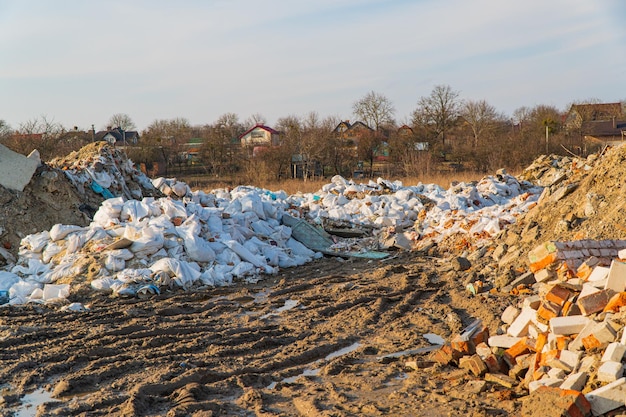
(558, 295)
(473, 364)
(595, 302)
(514, 351)
(446, 355)
(481, 336)
(548, 310)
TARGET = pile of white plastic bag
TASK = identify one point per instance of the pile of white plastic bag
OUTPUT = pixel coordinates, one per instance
(145, 246)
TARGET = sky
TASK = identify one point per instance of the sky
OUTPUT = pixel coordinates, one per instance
(79, 62)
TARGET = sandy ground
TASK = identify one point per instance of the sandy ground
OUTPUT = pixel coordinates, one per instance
(326, 339)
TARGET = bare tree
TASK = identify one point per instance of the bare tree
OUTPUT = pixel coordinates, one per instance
(438, 112)
(5, 130)
(122, 120)
(375, 110)
(481, 117)
(255, 119)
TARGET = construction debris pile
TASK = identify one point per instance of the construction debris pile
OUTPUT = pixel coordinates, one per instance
(567, 331)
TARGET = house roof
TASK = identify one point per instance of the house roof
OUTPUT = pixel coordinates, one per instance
(260, 126)
(119, 134)
(349, 126)
(598, 111)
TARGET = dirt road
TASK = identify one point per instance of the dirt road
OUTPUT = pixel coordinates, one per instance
(326, 339)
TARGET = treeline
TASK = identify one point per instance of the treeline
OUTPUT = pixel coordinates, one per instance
(443, 133)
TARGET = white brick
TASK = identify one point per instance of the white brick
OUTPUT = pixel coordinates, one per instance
(616, 279)
(622, 254)
(532, 301)
(546, 382)
(509, 314)
(575, 381)
(598, 274)
(608, 397)
(588, 289)
(544, 275)
(610, 371)
(519, 327)
(571, 359)
(587, 364)
(556, 373)
(577, 343)
(614, 352)
(568, 325)
(502, 341)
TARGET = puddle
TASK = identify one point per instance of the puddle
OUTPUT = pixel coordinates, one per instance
(289, 304)
(31, 401)
(434, 339)
(316, 371)
(343, 351)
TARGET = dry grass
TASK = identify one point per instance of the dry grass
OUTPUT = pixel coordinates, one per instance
(294, 186)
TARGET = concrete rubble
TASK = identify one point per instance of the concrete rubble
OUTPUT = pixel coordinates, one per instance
(16, 170)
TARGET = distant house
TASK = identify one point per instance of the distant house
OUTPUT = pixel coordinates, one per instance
(580, 113)
(118, 136)
(260, 135)
(405, 131)
(351, 131)
(604, 132)
(597, 124)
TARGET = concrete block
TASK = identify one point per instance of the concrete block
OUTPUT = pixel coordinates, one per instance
(621, 254)
(616, 279)
(575, 381)
(599, 273)
(568, 325)
(519, 327)
(502, 341)
(595, 302)
(610, 371)
(16, 170)
(608, 397)
(614, 352)
(509, 314)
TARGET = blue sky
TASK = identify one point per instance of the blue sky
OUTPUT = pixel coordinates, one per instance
(80, 62)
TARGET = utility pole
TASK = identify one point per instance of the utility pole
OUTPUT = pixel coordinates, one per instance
(547, 139)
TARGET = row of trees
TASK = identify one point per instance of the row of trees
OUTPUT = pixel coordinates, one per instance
(445, 132)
